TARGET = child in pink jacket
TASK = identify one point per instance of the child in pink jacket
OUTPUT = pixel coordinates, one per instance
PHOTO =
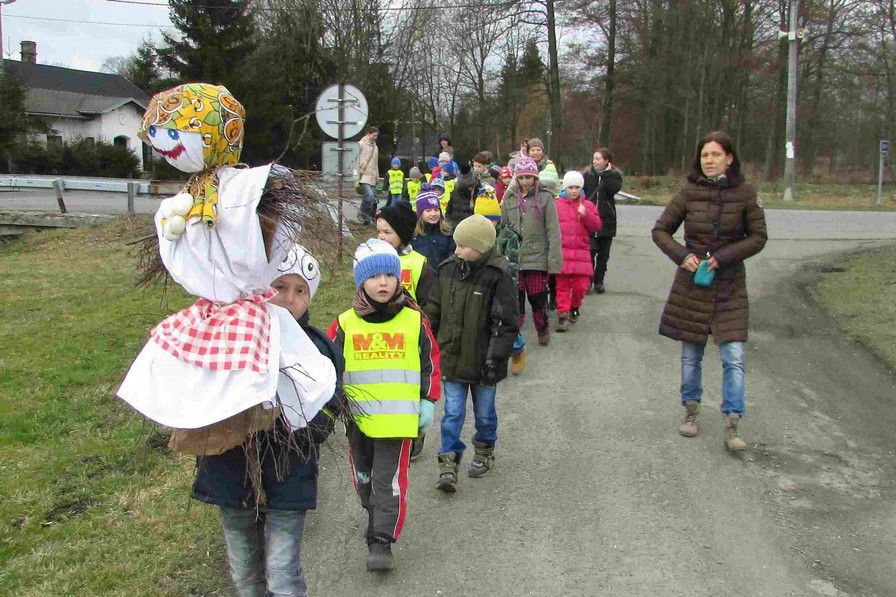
(578, 220)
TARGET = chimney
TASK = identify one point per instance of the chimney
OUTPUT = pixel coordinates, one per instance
(29, 52)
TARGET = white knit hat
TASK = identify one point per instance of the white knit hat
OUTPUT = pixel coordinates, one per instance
(374, 257)
(573, 178)
(300, 262)
(444, 157)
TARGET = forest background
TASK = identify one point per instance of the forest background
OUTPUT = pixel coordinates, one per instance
(645, 77)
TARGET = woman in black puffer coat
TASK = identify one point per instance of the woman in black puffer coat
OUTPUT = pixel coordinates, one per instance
(602, 182)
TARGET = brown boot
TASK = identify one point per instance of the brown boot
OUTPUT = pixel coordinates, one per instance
(544, 337)
(689, 422)
(733, 441)
(518, 362)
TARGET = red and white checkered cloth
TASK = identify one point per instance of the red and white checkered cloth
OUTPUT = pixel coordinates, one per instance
(228, 337)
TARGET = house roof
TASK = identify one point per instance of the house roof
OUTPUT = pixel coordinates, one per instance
(59, 91)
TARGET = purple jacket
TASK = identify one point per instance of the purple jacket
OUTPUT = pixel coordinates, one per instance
(574, 234)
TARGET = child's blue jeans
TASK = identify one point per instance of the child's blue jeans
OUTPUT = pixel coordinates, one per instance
(485, 415)
(263, 550)
(733, 355)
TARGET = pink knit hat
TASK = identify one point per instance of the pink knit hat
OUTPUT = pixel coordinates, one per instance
(525, 166)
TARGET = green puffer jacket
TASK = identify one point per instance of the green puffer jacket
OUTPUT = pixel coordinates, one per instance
(474, 313)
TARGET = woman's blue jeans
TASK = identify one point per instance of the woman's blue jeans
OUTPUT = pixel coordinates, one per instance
(486, 416)
(733, 356)
(263, 550)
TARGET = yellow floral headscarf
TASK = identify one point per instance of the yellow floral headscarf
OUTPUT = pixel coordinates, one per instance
(213, 112)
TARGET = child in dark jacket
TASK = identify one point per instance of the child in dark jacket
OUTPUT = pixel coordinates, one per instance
(396, 225)
(265, 486)
(392, 375)
(474, 313)
(432, 237)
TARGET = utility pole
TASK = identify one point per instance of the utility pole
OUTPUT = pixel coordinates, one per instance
(793, 35)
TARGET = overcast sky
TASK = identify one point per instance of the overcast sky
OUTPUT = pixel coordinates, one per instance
(83, 45)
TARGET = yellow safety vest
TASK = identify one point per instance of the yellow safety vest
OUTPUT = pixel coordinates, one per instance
(411, 269)
(446, 196)
(413, 191)
(382, 373)
(396, 182)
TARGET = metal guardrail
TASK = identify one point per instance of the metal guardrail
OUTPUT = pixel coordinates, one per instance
(113, 185)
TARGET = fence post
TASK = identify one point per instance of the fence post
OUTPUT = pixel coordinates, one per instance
(57, 187)
(132, 193)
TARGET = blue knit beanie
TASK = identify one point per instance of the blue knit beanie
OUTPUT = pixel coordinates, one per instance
(396, 161)
(374, 257)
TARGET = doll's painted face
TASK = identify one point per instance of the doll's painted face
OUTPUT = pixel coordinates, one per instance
(181, 149)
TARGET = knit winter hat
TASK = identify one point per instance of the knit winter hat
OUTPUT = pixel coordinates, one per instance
(396, 161)
(476, 232)
(427, 200)
(437, 183)
(402, 219)
(505, 172)
(444, 157)
(573, 179)
(525, 166)
(415, 173)
(432, 162)
(300, 262)
(374, 257)
(487, 203)
(536, 142)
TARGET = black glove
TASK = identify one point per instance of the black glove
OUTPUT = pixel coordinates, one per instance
(489, 375)
(321, 426)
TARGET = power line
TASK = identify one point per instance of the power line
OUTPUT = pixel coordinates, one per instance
(8, 16)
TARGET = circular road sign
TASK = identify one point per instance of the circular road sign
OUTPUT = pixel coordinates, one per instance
(327, 111)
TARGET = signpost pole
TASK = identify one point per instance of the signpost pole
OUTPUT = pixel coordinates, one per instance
(340, 141)
(884, 149)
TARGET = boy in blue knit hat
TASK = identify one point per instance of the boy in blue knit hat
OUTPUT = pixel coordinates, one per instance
(393, 183)
(393, 378)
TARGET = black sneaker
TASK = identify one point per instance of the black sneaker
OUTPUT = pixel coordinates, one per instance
(573, 315)
(379, 555)
(599, 288)
(562, 325)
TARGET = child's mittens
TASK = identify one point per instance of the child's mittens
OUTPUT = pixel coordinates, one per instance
(427, 409)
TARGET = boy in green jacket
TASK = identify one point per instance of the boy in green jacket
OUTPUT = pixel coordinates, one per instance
(474, 314)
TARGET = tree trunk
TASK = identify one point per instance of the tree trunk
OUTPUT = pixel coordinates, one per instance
(610, 81)
(556, 113)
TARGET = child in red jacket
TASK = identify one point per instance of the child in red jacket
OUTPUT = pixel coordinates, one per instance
(578, 220)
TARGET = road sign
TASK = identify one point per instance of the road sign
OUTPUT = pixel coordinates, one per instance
(354, 115)
(884, 146)
(330, 158)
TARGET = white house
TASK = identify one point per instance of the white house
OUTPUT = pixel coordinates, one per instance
(77, 103)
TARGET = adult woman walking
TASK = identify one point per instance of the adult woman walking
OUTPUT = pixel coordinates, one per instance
(723, 225)
(602, 182)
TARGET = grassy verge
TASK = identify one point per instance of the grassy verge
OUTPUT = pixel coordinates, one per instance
(861, 294)
(657, 190)
(91, 500)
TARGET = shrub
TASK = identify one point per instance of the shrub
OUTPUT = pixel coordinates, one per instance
(80, 157)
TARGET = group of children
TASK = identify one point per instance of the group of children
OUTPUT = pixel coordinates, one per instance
(437, 309)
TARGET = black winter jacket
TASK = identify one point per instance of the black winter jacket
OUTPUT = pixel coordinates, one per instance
(601, 188)
(474, 313)
(223, 479)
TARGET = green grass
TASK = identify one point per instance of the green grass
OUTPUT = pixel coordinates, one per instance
(863, 299)
(91, 501)
(657, 190)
